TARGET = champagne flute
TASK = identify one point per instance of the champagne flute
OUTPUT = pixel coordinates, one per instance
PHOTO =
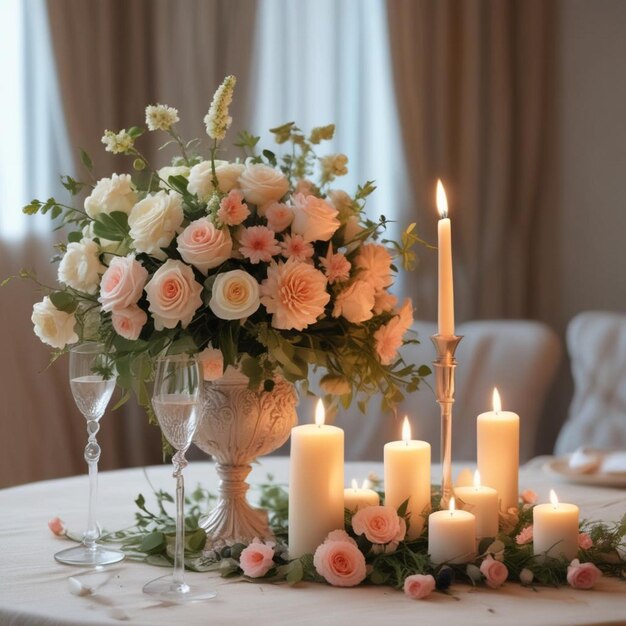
(177, 402)
(92, 381)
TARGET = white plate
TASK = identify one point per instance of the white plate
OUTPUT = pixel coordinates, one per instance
(560, 467)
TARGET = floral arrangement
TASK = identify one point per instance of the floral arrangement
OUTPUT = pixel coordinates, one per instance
(371, 550)
(247, 263)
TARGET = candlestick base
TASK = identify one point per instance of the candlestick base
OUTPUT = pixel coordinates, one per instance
(445, 364)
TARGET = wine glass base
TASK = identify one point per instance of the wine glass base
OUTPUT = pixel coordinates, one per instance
(166, 590)
(82, 556)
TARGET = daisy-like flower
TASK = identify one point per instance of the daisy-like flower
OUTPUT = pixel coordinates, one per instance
(232, 209)
(161, 117)
(524, 536)
(373, 263)
(217, 120)
(388, 338)
(295, 247)
(258, 243)
(117, 143)
(336, 266)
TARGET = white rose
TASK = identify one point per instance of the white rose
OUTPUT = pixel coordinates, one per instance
(171, 170)
(314, 219)
(54, 327)
(261, 185)
(201, 178)
(235, 295)
(154, 221)
(111, 194)
(80, 267)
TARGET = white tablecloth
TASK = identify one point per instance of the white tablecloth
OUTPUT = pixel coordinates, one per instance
(34, 588)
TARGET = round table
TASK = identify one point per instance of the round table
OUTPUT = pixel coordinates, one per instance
(34, 589)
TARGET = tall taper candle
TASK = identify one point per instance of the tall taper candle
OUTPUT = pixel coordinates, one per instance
(446, 287)
(316, 498)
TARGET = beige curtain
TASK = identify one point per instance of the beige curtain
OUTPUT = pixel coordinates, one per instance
(474, 83)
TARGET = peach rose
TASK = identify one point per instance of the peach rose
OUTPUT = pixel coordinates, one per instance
(373, 263)
(314, 219)
(529, 496)
(582, 575)
(295, 293)
(262, 185)
(257, 559)
(212, 361)
(419, 586)
(341, 563)
(379, 524)
(339, 535)
(355, 302)
(495, 572)
(278, 216)
(122, 283)
(204, 246)
(584, 541)
(173, 294)
(235, 295)
(56, 526)
(128, 322)
(201, 178)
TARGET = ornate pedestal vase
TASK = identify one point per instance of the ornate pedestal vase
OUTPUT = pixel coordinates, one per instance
(238, 426)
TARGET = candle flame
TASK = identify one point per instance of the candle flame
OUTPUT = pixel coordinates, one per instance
(442, 201)
(320, 414)
(452, 506)
(553, 498)
(497, 403)
(366, 484)
(354, 484)
(406, 430)
(476, 479)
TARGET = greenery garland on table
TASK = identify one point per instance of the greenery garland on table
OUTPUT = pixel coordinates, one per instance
(509, 556)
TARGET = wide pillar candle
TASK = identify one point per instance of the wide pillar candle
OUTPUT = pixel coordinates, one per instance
(498, 452)
(451, 536)
(316, 480)
(482, 502)
(555, 529)
(444, 251)
(407, 476)
(355, 498)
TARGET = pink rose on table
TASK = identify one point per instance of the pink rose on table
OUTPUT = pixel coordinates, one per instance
(388, 338)
(295, 293)
(262, 185)
(418, 586)
(56, 526)
(379, 524)
(204, 246)
(235, 295)
(495, 572)
(278, 216)
(257, 244)
(212, 362)
(373, 263)
(355, 302)
(173, 294)
(232, 209)
(257, 559)
(525, 535)
(341, 563)
(314, 219)
(584, 541)
(122, 283)
(128, 322)
(582, 575)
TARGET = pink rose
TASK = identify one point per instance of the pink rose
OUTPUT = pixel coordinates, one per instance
(525, 535)
(582, 575)
(56, 526)
(388, 338)
(122, 283)
(257, 559)
(278, 216)
(341, 563)
(379, 524)
(529, 496)
(212, 361)
(314, 219)
(173, 294)
(355, 302)
(204, 246)
(495, 572)
(418, 586)
(128, 322)
(339, 535)
(294, 293)
(232, 209)
(373, 263)
(584, 541)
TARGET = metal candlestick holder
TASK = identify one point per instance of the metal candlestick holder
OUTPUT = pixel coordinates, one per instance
(445, 365)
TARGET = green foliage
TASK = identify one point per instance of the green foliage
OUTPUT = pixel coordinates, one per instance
(112, 226)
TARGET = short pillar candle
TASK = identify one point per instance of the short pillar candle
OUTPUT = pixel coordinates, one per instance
(555, 529)
(355, 498)
(451, 536)
(482, 502)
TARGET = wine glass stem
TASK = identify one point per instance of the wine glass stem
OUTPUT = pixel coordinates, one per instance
(92, 456)
(179, 550)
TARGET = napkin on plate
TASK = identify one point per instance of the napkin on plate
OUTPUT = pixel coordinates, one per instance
(591, 461)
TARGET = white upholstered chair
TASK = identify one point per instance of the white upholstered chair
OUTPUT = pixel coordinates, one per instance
(596, 342)
(519, 357)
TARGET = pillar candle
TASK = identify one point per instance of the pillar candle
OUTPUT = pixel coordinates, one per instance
(355, 498)
(444, 245)
(315, 484)
(482, 502)
(451, 536)
(498, 452)
(555, 529)
(407, 475)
